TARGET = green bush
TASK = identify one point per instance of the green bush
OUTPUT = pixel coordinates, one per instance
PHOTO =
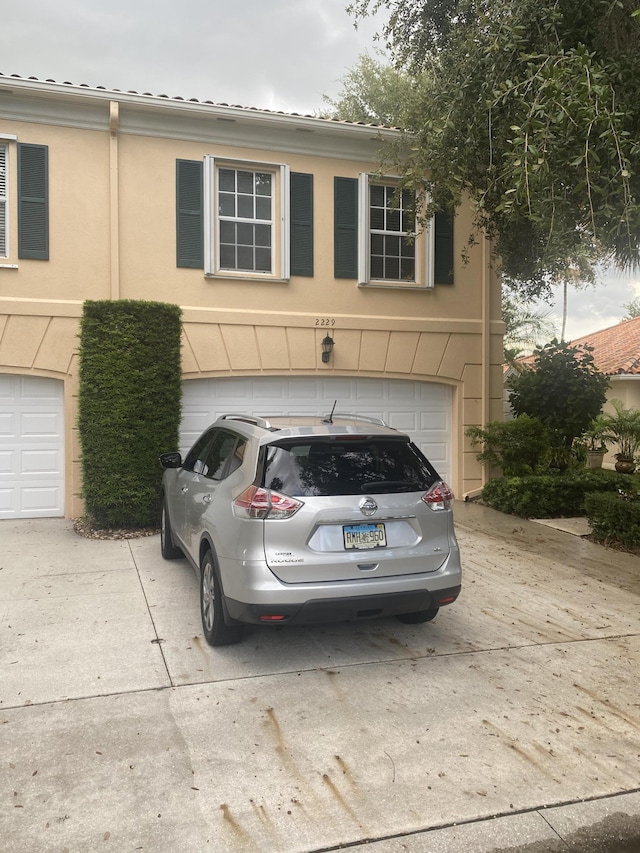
(614, 519)
(519, 447)
(128, 407)
(550, 495)
(564, 389)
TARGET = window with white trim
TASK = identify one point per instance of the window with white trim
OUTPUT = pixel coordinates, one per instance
(246, 211)
(390, 252)
(4, 203)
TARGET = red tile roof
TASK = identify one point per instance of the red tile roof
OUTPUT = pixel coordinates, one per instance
(616, 350)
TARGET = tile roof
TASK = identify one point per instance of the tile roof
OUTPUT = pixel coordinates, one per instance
(66, 83)
(616, 350)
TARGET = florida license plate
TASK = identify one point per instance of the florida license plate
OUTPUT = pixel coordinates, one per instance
(364, 536)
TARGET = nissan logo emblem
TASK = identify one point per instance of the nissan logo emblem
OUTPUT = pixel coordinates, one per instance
(368, 506)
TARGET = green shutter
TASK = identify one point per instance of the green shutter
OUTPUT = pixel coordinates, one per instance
(443, 251)
(33, 202)
(189, 214)
(345, 224)
(301, 201)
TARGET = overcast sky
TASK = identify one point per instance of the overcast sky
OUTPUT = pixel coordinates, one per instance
(273, 54)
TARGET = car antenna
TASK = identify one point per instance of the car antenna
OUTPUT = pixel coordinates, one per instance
(329, 418)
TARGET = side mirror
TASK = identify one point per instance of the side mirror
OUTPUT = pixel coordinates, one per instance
(171, 460)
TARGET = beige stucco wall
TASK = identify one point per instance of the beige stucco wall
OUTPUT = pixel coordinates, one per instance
(112, 235)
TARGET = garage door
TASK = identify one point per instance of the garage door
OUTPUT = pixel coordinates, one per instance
(31, 447)
(421, 409)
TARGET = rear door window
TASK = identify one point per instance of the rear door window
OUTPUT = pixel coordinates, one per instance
(299, 468)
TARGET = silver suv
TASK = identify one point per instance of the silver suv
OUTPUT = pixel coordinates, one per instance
(302, 520)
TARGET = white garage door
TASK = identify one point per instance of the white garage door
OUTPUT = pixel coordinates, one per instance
(31, 447)
(421, 409)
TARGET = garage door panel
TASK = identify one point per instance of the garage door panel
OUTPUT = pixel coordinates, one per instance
(419, 408)
(40, 424)
(7, 424)
(45, 462)
(7, 462)
(31, 447)
(39, 501)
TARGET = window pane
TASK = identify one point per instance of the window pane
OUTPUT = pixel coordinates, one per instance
(377, 219)
(227, 231)
(392, 246)
(245, 207)
(263, 235)
(227, 180)
(377, 266)
(227, 257)
(392, 269)
(263, 260)
(245, 234)
(407, 269)
(393, 220)
(245, 182)
(227, 205)
(245, 258)
(263, 208)
(263, 183)
(377, 196)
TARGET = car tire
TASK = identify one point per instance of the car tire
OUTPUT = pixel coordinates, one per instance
(418, 617)
(168, 550)
(215, 629)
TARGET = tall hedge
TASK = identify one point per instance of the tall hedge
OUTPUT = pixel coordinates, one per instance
(128, 408)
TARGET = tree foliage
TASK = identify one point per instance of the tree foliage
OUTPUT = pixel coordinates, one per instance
(564, 389)
(526, 326)
(533, 109)
(374, 92)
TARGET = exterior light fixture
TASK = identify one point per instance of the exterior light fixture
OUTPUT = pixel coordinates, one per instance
(327, 348)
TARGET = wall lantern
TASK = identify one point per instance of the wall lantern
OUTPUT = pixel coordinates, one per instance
(327, 348)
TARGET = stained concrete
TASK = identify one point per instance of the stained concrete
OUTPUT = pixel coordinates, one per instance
(511, 720)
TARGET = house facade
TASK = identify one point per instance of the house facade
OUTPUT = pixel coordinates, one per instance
(273, 232)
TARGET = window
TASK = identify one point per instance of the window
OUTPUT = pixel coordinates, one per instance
(243, 220)
(371, 466)
(392, 252)
(246, 216)
(4, 204)
(374, 242)
(389, 251)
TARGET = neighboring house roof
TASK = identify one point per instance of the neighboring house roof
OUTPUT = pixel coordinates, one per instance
(616, 350)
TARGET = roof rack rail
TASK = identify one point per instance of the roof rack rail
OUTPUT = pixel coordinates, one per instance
(248, 419)
(349, 416)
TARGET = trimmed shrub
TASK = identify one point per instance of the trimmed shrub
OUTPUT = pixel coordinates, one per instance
(519, 447)
(614, 519)
(128, 407)
(550, 495)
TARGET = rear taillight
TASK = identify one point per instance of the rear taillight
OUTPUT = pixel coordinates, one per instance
(263, 503)
(438, 497)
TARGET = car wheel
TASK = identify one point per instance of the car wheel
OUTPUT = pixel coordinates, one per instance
(418, 617)
(216, 630)
(168, 550)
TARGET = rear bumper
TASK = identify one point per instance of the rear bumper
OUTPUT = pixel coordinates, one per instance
(347, 609)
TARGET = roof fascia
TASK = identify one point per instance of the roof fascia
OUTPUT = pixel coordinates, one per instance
(79, 106)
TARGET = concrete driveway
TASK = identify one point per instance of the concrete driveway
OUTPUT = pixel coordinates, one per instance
(120, 729)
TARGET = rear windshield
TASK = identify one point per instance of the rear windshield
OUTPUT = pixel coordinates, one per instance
(376, 466)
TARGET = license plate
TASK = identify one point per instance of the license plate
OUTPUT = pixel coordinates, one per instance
(364, 536)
